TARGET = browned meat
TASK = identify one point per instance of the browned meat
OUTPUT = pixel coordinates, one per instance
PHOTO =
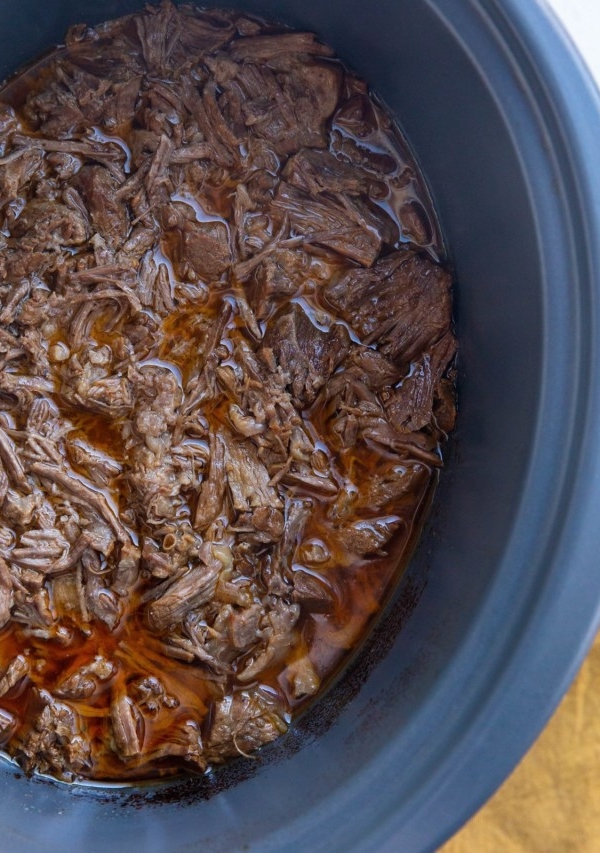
(127, 569)
(410, 405)
(278, 275)
(242, 723)
(127, 726)
(311, 593)
(403, 303)
(367, 536)
(48, 226)
(307, 355)
(17, 669)
(12, 463)
(151, 695)
(82, 492)
(244, 627)
(82, 683)
(108, 214)
(303, 677)
(279, 633)
(212, 491)
(193, 589)
(100, 601)
(56, 744)
(224, 386)
(373, 369)
(265, 49)
(340, 225)
(204, 246)
(8, 724)
(6, 593)
(288, 110)
(247, 477)
(316, 171)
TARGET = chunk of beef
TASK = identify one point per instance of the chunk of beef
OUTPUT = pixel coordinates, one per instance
(119, 103)
(6, 593)
(12, 464)
(83, 492)
(305, 353)
(83, 683)
(56, 744)
(247, 477)
(191, 590)
(212, 490)
(203, 31)
(242, 723)
(204, 246)
(403, 303)
(17, 669)
(268, 521)
(267, 48)
(311, 593)
(127, 726)
(357, 115)
(244, 627)
(48, 226)
(101, 601)
(279, 634)
(302, 677)
(390, 483)
(8, 723)
(288, 110)
(376, 162)
(340, 224)
(409, 406)
(169, 35)
(367, 536)
(373, 368)
(127, 569)
(316, 171)
(16, 173)
(279, 274)
(151, 695)
(109, 216)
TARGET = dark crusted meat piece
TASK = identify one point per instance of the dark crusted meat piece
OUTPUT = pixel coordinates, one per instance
(202, 245)
(311, 593)
(194, 588)
(56, 743)
(341, 224)
(48, 226)
(127, 726)
(247, 477)
(279, 632)
(307, 355)
(403, 302)
(410, 404)
(289, 108)
(98, 189)
(316, 171)
(242, 723)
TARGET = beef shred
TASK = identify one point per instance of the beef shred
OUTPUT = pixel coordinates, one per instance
(226, 375)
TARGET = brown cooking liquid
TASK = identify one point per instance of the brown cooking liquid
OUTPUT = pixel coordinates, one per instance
(359, 586)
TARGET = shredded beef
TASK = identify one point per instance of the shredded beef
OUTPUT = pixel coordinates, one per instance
(226, 374)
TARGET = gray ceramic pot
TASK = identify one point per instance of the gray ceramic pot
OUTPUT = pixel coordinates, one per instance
(449, 693)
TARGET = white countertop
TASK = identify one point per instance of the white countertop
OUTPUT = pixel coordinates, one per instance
(581, 18)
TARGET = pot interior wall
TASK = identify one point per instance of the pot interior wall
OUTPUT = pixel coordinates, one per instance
(427, 78)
